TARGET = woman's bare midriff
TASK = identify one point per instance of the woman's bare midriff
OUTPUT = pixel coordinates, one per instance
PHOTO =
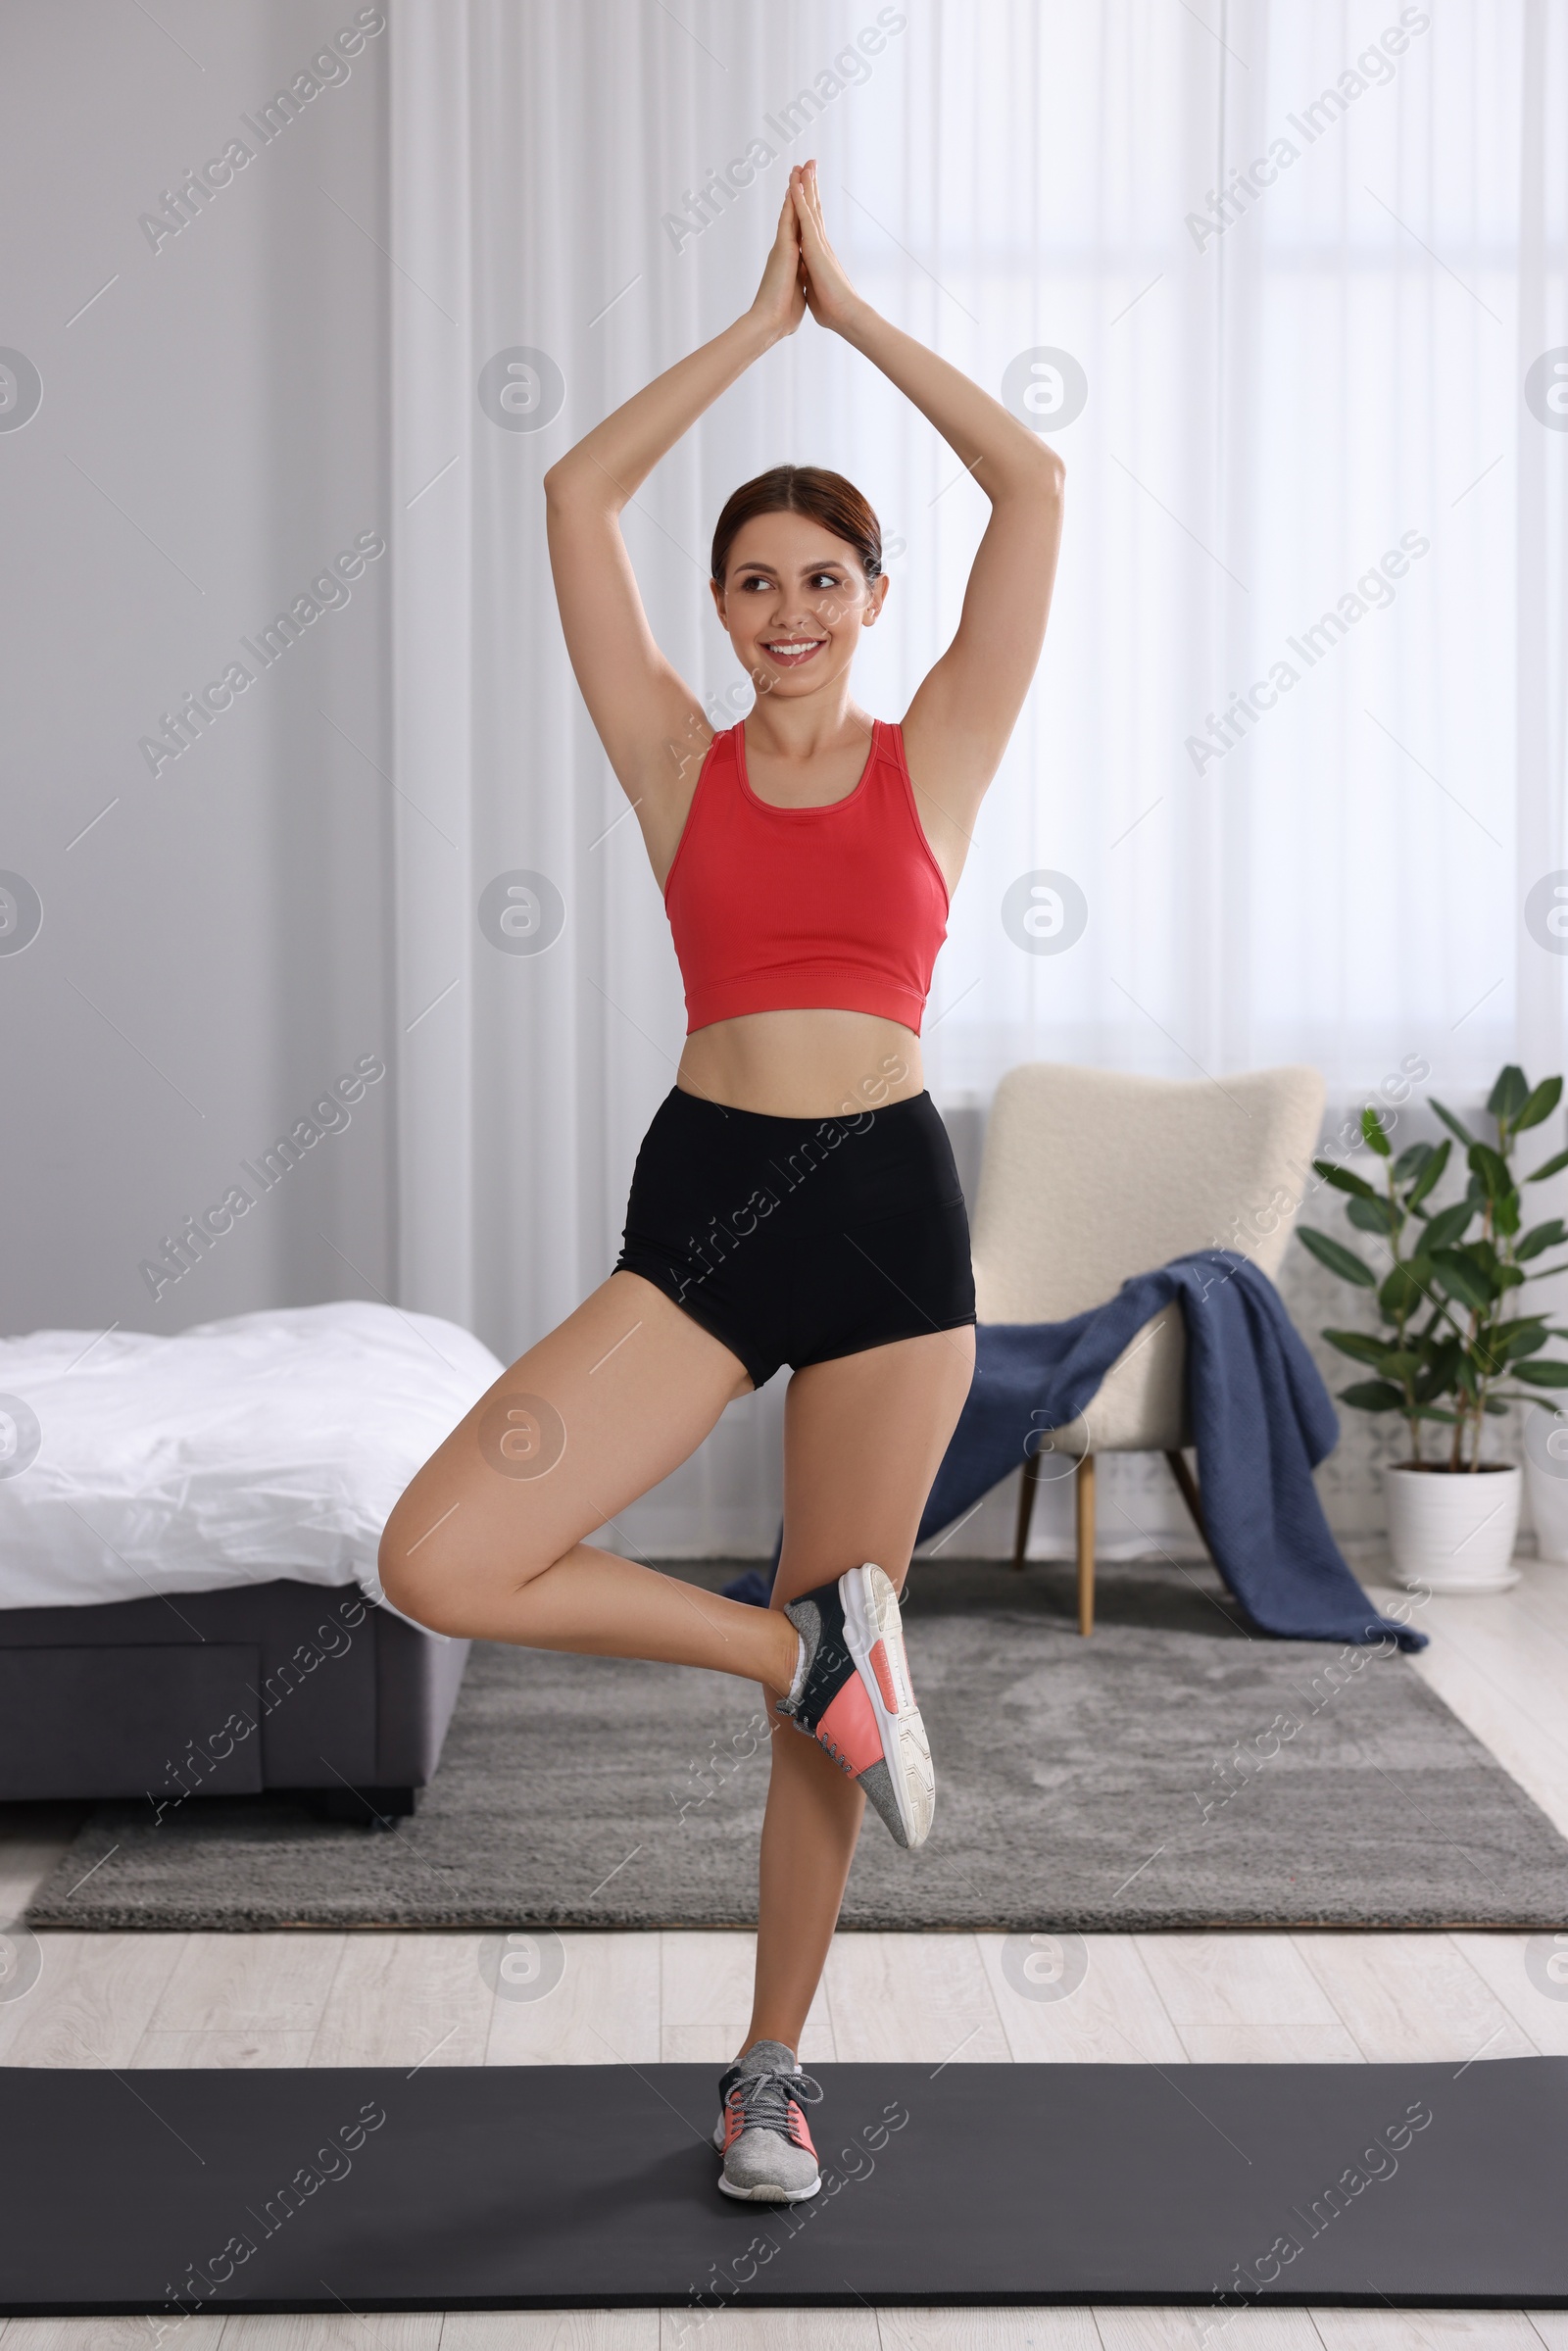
(803, 1064)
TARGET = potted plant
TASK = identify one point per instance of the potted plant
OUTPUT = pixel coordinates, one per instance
(1453, 1330)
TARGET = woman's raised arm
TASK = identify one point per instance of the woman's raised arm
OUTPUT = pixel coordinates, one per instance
(957, 727)
(649, 719)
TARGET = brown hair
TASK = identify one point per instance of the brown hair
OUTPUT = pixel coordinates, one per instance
(812, 490)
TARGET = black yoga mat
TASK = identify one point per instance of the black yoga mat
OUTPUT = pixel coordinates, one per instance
(501, 2188)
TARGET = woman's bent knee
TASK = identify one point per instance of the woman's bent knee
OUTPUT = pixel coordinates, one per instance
(434, 1571)
(434, 1602)
(408, 1583)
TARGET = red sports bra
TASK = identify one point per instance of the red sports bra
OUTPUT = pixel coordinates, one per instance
(777, 909)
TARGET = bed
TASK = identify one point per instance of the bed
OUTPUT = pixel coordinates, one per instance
(188, 1528)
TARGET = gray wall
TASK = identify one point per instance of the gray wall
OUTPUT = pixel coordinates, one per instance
(212, 432)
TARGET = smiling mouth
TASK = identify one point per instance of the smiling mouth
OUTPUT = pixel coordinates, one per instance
(791, 652)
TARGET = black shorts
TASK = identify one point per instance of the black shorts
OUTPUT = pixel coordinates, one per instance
(797, 1239)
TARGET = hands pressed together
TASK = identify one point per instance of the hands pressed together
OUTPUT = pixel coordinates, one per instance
(804, 272)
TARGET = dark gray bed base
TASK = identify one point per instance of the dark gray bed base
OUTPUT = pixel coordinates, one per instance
(266, 1686)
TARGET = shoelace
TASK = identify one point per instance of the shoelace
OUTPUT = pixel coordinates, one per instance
(764, 2099)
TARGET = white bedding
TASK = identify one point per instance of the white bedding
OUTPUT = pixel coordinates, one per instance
(267, 1444)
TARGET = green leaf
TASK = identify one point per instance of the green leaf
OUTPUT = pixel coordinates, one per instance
(1540, 1106)
(1511, 1339)
(1342, 1180)
(1373, 1217)
(1411, 1160)
(1509, 1095)
(1463, 1279)
(1543, 1375)
(1439, 1371)
(1443, 1229)
(1548, 1167)
(1337, 1257)
(1431, 1173)
(1493, 1171)
(1373, 1395)
(1405, 1290)
(1449, 1121)
(1372, 1133)
(1539, 1236)
(1362, 1347)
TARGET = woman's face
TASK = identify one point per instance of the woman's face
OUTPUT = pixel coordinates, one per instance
(794, 601)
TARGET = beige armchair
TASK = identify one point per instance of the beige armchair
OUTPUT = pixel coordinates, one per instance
(1090, 1176)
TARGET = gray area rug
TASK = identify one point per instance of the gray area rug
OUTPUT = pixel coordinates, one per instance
(1174, 1771)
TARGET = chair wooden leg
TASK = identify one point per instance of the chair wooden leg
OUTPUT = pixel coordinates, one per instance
(1086, 1545)
(1186, 1481)
(1028, 1480)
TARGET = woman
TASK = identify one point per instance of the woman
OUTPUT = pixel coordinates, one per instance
(795, 1199)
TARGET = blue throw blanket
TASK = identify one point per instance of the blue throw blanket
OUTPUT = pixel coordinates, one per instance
(1260, 1412)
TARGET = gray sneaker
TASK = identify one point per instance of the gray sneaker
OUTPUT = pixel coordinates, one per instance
(762, 2131)
(855, 1699)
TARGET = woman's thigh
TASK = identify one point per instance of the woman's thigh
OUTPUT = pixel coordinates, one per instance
(614, 1399)
(864, 1439)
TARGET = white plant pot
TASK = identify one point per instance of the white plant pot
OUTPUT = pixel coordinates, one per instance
(1452, 1531)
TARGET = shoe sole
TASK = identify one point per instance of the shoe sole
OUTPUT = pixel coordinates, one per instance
(770, 2195)
(871, 1616)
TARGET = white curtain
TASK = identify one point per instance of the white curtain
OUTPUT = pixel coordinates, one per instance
(1310, 261)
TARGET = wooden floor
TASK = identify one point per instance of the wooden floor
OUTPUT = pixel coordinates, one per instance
(326, 1999)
